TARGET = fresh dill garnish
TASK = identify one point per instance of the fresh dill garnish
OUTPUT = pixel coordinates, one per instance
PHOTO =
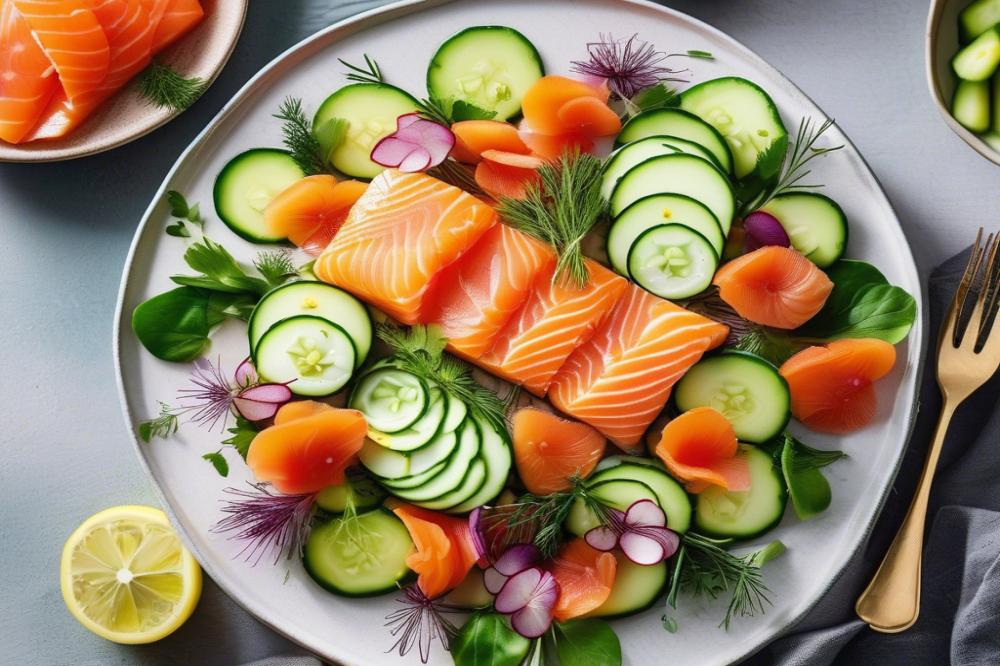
(419, 350)
(448, 111)
(164, 87)
(434, 109)
(708, 569)
(370, 72)
(560, 209)
(276, 266)
(163, 426)
(511, 399)
(298, 137)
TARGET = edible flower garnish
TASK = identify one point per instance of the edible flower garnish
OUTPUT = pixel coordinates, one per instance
(529, 597)
(417, 144)
(641, 532)
(266, 521)
(628, 65)
(420, 622)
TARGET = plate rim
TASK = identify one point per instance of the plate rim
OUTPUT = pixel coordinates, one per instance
(917, 341)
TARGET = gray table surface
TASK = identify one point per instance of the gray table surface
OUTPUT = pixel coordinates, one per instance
(67, 228)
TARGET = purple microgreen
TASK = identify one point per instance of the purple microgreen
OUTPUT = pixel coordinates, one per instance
(211, 399)
(514, 560)
(761, 229)
(628, 65)
(529, 598)
(266, 521)
(417, 144)
(420, 622)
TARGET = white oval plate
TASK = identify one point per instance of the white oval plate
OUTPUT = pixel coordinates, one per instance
(402, 37)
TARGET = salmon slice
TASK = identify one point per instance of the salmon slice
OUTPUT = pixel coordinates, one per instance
(621, 378)
(156, 9)
(699, 447)
(549, 451)
(555, 320)
(177, 19)
(585, 576)
(309, 212)
(72, 39)
(473, 298)
(27, 78)
(130, 37)
(401, 233)
(444, 550)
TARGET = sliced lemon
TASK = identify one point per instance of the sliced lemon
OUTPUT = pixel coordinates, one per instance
(126, 576)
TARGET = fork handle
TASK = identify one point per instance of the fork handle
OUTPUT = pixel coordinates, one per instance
(891, 602)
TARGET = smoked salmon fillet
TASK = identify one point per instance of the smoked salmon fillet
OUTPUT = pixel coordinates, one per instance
(27, 78)
(399, 235)
(620, 380)
(178, 17)
(474, 297)
(555, 320)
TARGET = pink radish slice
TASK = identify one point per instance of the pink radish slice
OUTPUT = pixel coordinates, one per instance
(406, 120)
(261, 402)
(417, 144)
(602, 538)
(529, 598)
(642, 549)
(763, 229)
(514, 560)
(245, 374)
(477, 536)
(645, 513)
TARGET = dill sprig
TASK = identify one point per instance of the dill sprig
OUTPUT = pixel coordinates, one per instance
(420, 350)
(708, 569)
(434, 109)
(275, 266)
(298, 137)
(166, 88)
(370, 72)
(560, 209)
(163, 426)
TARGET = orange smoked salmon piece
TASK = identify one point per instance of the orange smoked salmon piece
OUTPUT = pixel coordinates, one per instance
(474, 297)
(472, 137)
(549, 450)
(621, 378)
(308, 447)
(177, 19)
(831, 386)
(699, 447)
(585, 576)
(130, 37)
(544, 103)
(444, 550)
(556, 319)
(72, 39)
(27, 79)
(310, 211)
(402, 232)
(775, 286)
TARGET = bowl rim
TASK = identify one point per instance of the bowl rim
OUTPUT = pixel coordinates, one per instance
(934, 16)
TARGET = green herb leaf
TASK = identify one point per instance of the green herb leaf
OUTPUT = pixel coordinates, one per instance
(462, 110)
(561, 209)
(186, 215)
(165, 88)
(242, 435)
(330, 135)
(163, 426)
(276, 266)
(589, 642)
(697, 53)
(174, 326)
(807, 487)
(487, 640)
(178, 204)
(658, 96)
(298, 138)
(367, 73)
(220, 271)
(862, 305)
(771, 551)
(711, 570)
(218, 462)
(436, 110)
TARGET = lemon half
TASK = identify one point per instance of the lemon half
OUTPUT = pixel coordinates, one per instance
(126, 576)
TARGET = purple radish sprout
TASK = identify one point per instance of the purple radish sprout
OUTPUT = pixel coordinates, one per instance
(529, 597)
(762, 229)
(417, 144)
(514, 560)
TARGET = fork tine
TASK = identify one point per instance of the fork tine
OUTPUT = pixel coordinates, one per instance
(954, 319)
(990, 293)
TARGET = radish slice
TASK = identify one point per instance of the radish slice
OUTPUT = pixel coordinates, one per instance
(762, 229)
(477, 537)
(417, 144)
(261, 402)
(602, 538)
(529, 598)
(246, 373)
(642, 549)
(515, 559)
(646, 513)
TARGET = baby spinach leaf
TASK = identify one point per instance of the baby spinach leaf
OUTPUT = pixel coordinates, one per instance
(588, 642)
(807, 487)
(174, 326)
(487, 640)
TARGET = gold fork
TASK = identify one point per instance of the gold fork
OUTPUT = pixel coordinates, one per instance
(891, 602)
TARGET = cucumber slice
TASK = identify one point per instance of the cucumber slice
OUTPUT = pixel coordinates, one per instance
(977, 18)
(247, 184)
(421, 432)
(659, 209)
(382, 462)
(427, 461)
(371, 110)
(971, 105)
(617, 493)
(495, 452)
(471, 484)
(359, 556)
(488, 66)
(672, 261)
(315, 355)
(815, 224)
(672, 497)
(746, 117)
(680, 124)
(744, 514)
(391, 400)
(454, 472)
(748, 390)
(631, 154)
(677, 174)
(978, 60)
(361, 492)
(637, 587)
(309, 297)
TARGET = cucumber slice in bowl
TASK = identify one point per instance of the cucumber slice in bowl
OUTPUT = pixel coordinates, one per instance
(672, 261)
(371, 110)
(454, 473)
(487, 66)
(654, 210)
(391, 400)
(970, 105)
(423, 430)
(815, 224)
(315, 355)
(309, 297)
(744, 514)
(745, 116)
(745, 388)
(247, 184)
(978, 60)
(359, 556)
(681, 124)
(361, 492)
